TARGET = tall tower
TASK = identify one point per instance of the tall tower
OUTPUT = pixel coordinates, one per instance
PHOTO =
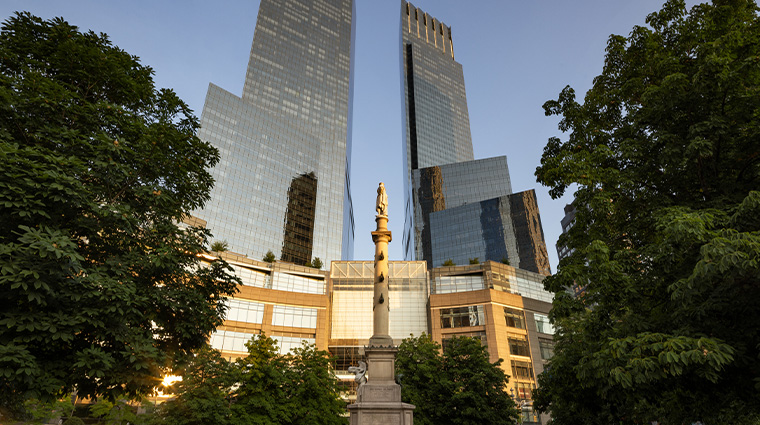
(457, 208)
(283, 180)
(437, 129)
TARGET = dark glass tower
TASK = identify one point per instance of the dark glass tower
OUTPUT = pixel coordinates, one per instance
(457, 208)
(283, 180)
(437, 127)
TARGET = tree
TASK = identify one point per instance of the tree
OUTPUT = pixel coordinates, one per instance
(316, 263)
(312, 388)
(297, 388)
(665, 156)
(460, 386)
(100, 287)
(264, 387)
(204, 394)
(220, 246)
(261, 396)
(505, 260)
(38, 412)
(116, 413)
(448, 263)
(269, 257)
(475, 260)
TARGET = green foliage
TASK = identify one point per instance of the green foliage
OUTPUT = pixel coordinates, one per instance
(264, 387)
(505, 260)
(316, 263)
(39, 412)
(269, 257)
(118, 413)
(448, 263)
(100, 287)
(73, 421)
(220, 246)
(204, 394)
(475, 260)
(261, 395)
(665, 156)
(312, 390)
(296, 388)
(459, 386)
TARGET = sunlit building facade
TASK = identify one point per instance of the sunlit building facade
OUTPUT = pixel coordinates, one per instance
(352, 285)
(287, 302)
(507, 309)
(283, 180)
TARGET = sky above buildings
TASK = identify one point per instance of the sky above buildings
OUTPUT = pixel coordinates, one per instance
(516, 55)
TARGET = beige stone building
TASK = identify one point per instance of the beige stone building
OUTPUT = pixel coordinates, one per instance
(505, 307)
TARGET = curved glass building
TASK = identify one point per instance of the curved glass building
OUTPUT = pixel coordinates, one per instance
(283, 180)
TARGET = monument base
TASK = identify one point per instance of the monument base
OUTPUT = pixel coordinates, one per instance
(378, 402)
(379, 413)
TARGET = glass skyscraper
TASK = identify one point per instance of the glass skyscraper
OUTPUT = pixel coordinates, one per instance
(457, 208)
(497, 229)
(442, 187)
(437, 129)
(283, 180)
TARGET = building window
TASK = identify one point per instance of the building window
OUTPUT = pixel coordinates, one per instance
(230, 341)
(293, 283)
(245, 311)
(481, 336)
(251, 277)
(453, 284)
(286, 343)
(547, 348)
(528, 415)
(294, 317)
(522, 370)
(515, 318)
(461, 317)
(543, 325)
(518, 346)
(525, 390)
(345, 357)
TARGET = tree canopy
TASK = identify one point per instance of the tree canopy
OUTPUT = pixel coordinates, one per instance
(101, 287)
(459, 386)
(664, 153)
(264, 387)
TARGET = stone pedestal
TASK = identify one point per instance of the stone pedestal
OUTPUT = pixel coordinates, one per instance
(378, 401)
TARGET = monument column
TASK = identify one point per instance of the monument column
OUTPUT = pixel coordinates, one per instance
(380, 306)
(379, 400)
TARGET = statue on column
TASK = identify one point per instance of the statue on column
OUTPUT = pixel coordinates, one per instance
(378, 401)
(381, 206)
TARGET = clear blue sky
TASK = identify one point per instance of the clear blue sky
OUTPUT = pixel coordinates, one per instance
(516, 55)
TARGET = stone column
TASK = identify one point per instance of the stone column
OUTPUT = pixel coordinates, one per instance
(379, 400)
(380, 304)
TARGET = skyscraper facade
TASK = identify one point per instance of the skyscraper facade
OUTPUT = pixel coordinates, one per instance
(457, 208)
(504, 229)
(442, 187)
(283, 180)
(437, 129)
